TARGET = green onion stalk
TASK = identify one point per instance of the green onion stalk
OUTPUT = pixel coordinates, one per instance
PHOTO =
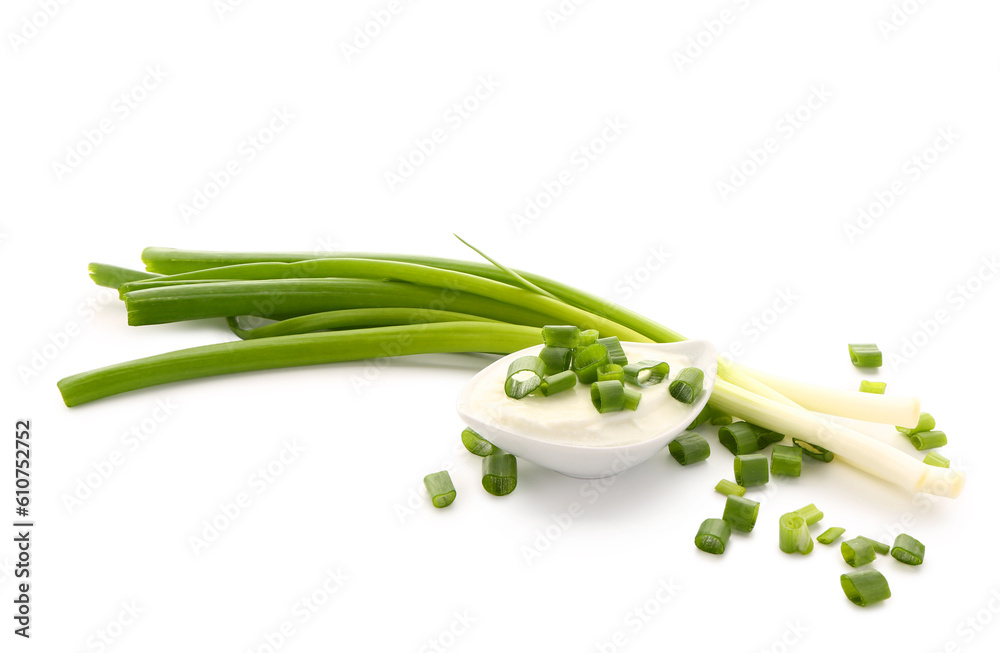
(333, 307)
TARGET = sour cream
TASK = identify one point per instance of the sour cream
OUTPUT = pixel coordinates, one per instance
(569, 417)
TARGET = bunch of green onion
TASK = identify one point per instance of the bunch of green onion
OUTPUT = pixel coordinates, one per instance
(336, 307)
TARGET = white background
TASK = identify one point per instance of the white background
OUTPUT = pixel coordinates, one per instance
(881, 94)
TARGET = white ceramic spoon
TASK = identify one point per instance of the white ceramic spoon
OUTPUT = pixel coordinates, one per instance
(572, 446)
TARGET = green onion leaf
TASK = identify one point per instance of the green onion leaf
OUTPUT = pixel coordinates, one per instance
(557, 383)
(587, 362)
(928, 440)
(831, 535)
(688, 385)
(857, 551)
(793, 534)
(500, 474)
(478, 445)
(865, 587)
(441, 489)
(611, 372)
(740, 513)
(616, 354)
(811, 450)
(556, 359)
(924, 423)
(786, 460)
(713, 535)
(873, 387)
(936, 459)
(646, 373)
(739, 438)
(689, 448)
(750, 469)
(810, 513)
(562, 336)
(524, 375)
(865, 355)
(879, 547)
(908, 550)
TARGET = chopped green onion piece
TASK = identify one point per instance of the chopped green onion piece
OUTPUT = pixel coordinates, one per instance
(616, 354)
(524, 375)
(705, 415)
(907, 550)
(750, 469)
(880, 548)
(478, 445)
(865, 355)
(589, 360)
(689, 448)
(924, 423)
(588, 337)
(645, 373)
(721, 420)
(786, 460)
(713, 535)
(873, 387)
(556, 359)
(857, 551)
(727, 488)
(793, 534)
(739, 438)
(740, 513)
(831, 535)
(441, 489)
(765, 436)
(929, 440)
(810, 513)
(608, 396)
(688, 385)
(936, 459)
(557, 383)
(811, 450)
(561, 336)
(632, 398)
(611, 372)
(865, 587)
(500, 474)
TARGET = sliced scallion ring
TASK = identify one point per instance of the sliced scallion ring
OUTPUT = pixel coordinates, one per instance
(811, 450)
(616, 354)
(688, 385)
(524, 375)
(928, 440)
(786, 460)
(793, 534)
(865, 587)
(646, 373)
(588, 337)
(740, 513)
(476, 444)
(908, 550)
(561, 336)
(556, 359)
(441, 489)
(739, 438)
(865, 355)
(500, 474)
(857, 551)
(689, 448)
(611, 372)
(751, 469)
(936, 459)
(588, 360)
(608, 396)
(557, 383)
(713, 535)
(831, 535)
(727, 488)
(924, 423)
